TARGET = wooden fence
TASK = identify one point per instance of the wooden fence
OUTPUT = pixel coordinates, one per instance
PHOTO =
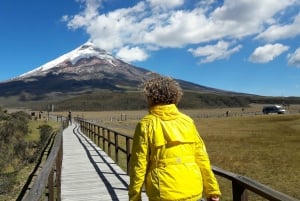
(45, 181)
(115, 143)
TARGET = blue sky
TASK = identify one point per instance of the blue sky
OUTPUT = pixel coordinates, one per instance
(249, 46)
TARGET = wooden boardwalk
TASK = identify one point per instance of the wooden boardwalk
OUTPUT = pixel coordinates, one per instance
(88, 174)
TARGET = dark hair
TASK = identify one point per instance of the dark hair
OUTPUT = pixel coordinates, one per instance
(162, 90)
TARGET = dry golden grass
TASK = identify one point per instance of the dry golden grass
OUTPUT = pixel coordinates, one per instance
(265, 148)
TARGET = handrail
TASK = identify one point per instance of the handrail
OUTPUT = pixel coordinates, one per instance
(240, 184)
(47, 176)
(39, 161)
(48, 180)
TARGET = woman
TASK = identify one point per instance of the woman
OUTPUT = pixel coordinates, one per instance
(168, 155)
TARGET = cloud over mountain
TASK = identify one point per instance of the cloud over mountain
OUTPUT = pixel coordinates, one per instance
(151, 25)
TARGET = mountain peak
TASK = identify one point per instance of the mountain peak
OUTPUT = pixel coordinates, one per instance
(87, 50)
(90, 47)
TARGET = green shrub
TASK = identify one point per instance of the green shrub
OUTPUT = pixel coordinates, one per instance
(45, 133)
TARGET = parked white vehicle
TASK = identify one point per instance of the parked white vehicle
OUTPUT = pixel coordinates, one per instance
(273, 109)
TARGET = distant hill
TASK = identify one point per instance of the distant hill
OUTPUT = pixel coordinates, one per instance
(106, 101)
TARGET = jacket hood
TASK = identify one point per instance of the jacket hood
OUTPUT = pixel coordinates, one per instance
(172, 126)
(165, 112)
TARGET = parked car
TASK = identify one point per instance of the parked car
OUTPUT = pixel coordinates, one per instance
(273, 109)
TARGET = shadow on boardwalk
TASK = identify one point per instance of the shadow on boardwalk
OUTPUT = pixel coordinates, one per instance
(88, 173)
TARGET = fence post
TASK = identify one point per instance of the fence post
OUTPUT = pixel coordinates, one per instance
(103, 139)
(51, 185)
(90, 130)
(127, 153)
(95, 131)
(239, 193)
(58, 171)
(116, 147)
(98, 137)
(109, 143)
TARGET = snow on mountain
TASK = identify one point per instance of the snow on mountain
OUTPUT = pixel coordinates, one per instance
(86, 50)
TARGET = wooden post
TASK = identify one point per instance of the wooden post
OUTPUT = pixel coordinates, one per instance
(98, 136)
(239, 193)
(116, 147)
(103, 139)
(128, 153)
(109, 142)
(51, 186)
(58, 172)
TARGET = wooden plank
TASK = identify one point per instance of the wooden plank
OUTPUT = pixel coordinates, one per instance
(87, 171)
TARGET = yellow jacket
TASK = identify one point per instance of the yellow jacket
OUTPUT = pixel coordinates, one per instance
(169, 158)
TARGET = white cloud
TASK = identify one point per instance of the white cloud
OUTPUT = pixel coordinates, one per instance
(247, 17)
(256, 11)
(165, 4)
(267, 53)
(211, 53)
(115, 29)
(294, 59)
(179, 29)
(132, 54)
(86, 16)
(277, 32)
(156, 24)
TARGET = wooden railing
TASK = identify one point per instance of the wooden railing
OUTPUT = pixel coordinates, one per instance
(109, 140)
(45, 181)
(240, 185)
(113, 142)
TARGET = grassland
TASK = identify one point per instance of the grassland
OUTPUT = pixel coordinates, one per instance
(265, 148)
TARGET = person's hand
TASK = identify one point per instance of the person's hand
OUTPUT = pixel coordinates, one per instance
(213, 198)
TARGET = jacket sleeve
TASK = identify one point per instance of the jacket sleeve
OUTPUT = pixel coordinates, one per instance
(211, 186)
(138, 162)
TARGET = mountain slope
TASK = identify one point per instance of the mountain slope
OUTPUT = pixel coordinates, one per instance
(84, 69)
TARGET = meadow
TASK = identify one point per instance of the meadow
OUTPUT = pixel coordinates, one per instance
(265, 148)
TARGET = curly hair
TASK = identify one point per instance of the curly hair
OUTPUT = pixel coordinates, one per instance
(162, 90)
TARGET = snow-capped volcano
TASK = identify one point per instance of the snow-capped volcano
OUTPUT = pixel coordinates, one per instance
(87, 62)
(86, 51)
(84, 69)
